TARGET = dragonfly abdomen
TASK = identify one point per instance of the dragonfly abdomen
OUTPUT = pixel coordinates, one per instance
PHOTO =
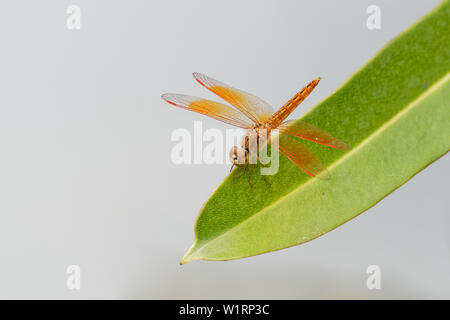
(278, 117)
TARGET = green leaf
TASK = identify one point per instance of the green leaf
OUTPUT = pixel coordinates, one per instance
(395, 114)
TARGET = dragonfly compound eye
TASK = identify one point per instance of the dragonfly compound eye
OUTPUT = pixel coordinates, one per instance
(238, 156)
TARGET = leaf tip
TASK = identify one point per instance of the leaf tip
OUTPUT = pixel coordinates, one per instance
(188, 255)
(187, 258)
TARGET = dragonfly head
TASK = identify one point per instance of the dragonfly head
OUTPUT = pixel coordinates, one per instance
(238, 156)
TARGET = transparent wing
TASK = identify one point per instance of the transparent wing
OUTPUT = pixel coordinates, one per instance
(310, 132)
(210, 108)
(302, 157)
(253, 107)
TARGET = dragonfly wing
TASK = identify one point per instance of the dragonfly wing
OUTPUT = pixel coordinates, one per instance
(253, 107)
(312, 133)
(302, 157)
(210, 108)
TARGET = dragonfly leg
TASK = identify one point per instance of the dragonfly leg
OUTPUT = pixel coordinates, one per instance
(262, 164)
(267, 181)
(264, 176)
(240, 173)
(250, 175)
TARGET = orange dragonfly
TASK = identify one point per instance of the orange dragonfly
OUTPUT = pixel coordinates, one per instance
(254, 115)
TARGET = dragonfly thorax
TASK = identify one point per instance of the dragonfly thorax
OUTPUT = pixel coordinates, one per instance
(252, 140)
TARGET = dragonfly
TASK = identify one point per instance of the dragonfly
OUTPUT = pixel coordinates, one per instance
(257, 116)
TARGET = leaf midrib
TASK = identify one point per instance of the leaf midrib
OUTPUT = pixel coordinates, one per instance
(369, 138)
